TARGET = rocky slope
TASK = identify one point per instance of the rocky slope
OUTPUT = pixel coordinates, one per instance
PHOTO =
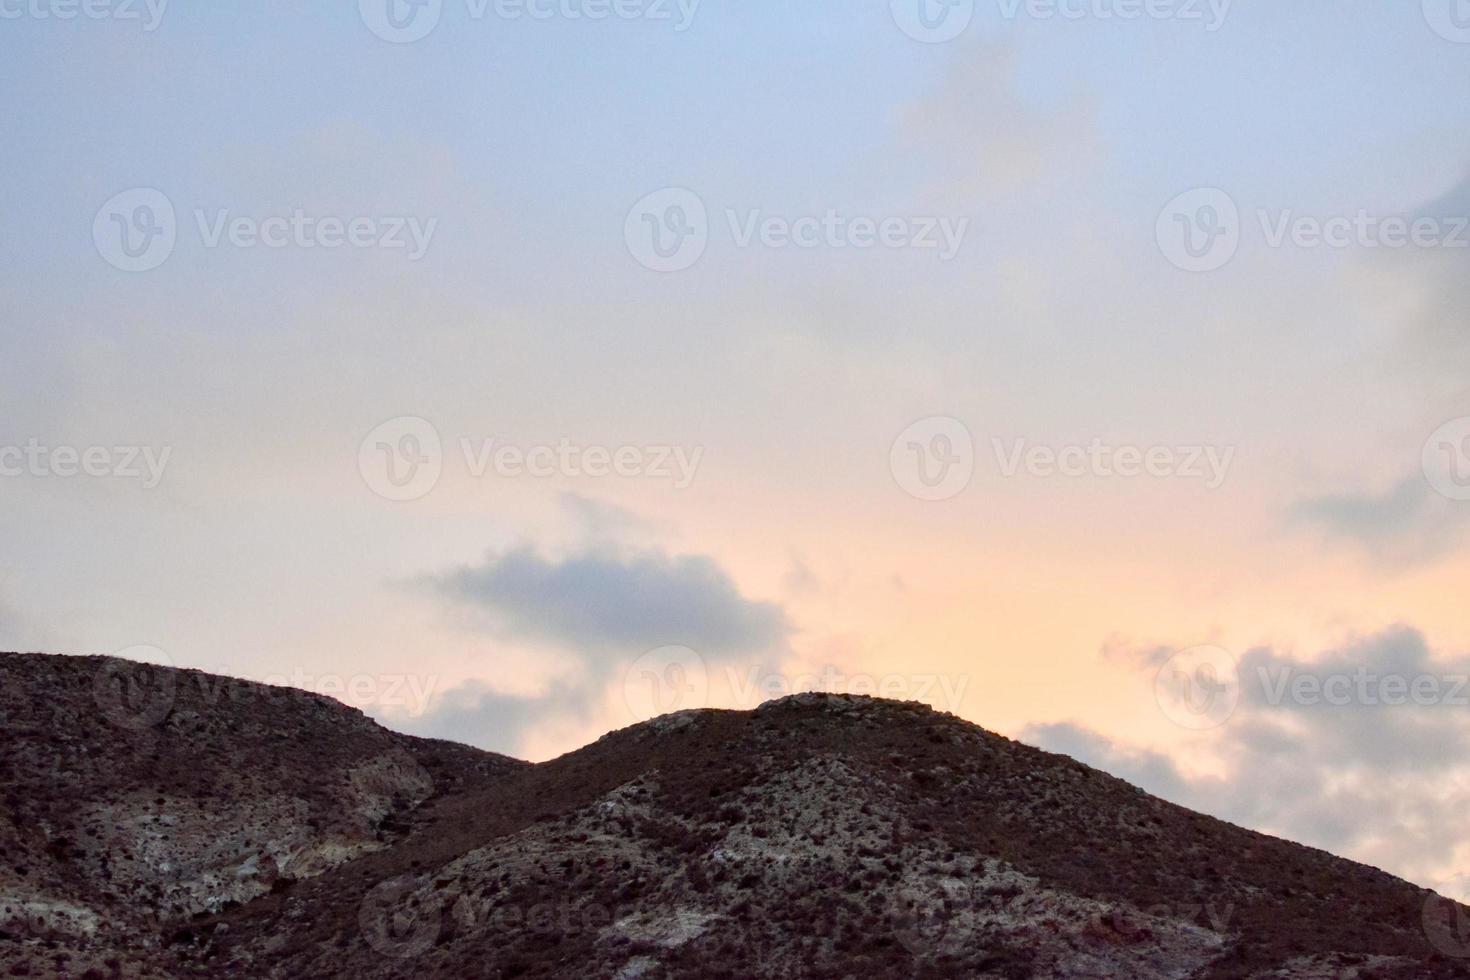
(818, 836)
(133, 798)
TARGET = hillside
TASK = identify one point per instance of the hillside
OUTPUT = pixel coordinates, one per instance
(279, 834)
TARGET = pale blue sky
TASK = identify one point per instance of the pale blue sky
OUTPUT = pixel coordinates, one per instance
(530, 319)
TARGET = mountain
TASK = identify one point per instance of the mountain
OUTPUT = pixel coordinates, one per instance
(168, 824)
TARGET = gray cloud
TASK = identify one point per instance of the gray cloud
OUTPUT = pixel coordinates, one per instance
(1444, 319)
(1123, 651)
(983, 136)
(7, 627)
(1406, 524)
(17, 633)
(599, 521)
(1385, 783)
(475, 714)
(1151, 771)
(1365, 733)
(799, 578)
(605, 605)
(604, 601)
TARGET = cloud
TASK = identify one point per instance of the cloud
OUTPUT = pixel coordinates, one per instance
(984, 135)
(7, 627)
(605, 606)
(799, 578)
(1406, 524)
(18, 634)
(1425, 292)
(1385, 783)
(476, 714)
(1151, 771)
(1121, 650)
(607, 602)
(1443, 324)
(599, 521)
(1356, 724)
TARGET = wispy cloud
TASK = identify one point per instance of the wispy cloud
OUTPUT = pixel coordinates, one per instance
(607, 601)
(1359, 768)
(1405, 524)
(984, 136)
(601, 606)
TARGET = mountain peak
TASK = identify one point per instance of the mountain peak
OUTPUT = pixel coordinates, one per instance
(819, 835)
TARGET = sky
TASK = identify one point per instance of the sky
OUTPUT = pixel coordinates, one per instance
(519, 370)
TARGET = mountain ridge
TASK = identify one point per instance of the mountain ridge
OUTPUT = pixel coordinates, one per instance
(817, 835)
